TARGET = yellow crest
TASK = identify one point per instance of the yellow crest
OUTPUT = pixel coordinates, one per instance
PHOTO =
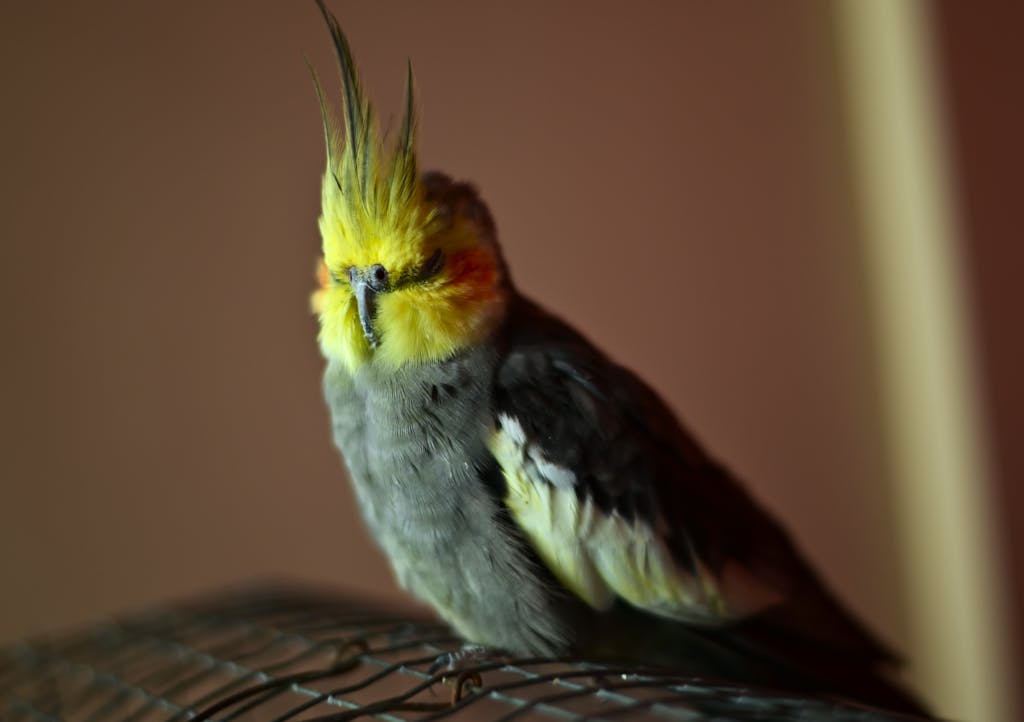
(372, 200)
(442, 280)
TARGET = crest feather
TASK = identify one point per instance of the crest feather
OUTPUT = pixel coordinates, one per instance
(369, 194)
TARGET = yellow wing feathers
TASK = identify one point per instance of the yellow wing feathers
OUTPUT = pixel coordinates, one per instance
(598, 556)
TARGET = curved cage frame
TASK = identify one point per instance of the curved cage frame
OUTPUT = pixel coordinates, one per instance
(277, 654)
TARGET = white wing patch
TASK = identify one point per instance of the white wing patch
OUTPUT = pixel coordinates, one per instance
(597, 556)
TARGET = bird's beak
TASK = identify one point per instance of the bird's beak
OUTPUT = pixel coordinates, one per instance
(367, 283)
(366, 299)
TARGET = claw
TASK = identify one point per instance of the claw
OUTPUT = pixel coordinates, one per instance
(468, 656)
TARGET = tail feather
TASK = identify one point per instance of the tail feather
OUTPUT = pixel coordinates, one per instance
(757, 651)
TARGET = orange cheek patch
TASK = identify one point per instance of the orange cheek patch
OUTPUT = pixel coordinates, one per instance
(473, 272)
(323, 276)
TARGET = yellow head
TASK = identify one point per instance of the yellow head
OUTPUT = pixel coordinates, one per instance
(411, 272)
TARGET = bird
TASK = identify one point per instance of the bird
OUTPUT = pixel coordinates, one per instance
(540, 497)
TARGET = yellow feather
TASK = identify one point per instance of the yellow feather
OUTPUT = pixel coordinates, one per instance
(534, 508)
(374, 211)
(598, 556)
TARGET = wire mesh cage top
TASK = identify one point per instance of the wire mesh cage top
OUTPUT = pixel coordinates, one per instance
(280, 654)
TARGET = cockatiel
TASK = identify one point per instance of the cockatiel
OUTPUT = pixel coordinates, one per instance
(541, 498)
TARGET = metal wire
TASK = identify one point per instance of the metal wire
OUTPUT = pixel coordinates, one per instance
(281, 654)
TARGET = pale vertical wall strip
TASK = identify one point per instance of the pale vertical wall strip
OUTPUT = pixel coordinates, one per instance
(954, 596)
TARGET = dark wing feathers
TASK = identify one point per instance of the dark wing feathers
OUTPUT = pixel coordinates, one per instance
(573, 423)
(629, 453)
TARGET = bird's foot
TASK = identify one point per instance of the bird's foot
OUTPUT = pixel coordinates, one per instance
(462, 659)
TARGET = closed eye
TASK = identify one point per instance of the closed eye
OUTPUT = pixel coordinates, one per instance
(432, 267)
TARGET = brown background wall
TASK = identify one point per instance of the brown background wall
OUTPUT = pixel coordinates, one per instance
(163, 429)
